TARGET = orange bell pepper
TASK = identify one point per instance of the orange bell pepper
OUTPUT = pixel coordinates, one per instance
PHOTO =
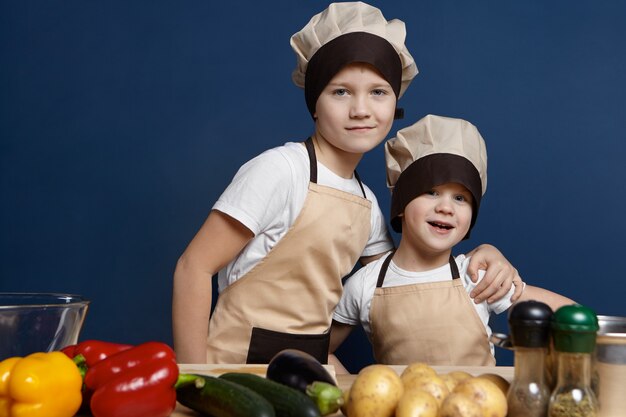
(40, 385)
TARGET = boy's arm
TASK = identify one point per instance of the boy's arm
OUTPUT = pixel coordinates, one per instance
(217, 242)
(338, 333)
(336, 363)
(552, 299)
(499, 275)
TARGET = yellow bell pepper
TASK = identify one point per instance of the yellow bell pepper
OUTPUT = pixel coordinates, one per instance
(40, 385)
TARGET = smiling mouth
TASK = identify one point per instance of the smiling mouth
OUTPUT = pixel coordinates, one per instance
(360, 128)
(442, 226)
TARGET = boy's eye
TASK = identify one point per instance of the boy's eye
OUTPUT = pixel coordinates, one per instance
(464, 198)
(431, 192)
(379, 92)
(340, 92)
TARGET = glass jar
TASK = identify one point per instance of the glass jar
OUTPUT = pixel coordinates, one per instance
(529, 393)
(574, 328)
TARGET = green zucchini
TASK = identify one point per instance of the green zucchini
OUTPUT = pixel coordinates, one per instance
(219, 397)
(287, 401)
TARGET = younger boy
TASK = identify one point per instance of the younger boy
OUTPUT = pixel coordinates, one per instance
(410, 308)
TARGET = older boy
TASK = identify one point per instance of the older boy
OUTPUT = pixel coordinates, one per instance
(414, 303)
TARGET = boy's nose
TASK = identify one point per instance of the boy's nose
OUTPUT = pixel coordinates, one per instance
(359, 107)
(444, 206)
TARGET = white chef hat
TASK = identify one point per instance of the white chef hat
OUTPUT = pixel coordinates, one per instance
(433, 151)
(350, 32)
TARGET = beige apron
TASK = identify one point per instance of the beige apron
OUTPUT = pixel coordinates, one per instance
(431, 322)
(288, 298)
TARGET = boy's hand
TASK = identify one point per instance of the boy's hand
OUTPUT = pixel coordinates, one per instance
(499, 275)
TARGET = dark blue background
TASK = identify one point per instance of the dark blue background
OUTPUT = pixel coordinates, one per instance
(122, 121)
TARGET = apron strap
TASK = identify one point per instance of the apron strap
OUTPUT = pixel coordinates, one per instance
(383, 270)
(312, 159)
(454, 269)
(313, 165)
(356, 175)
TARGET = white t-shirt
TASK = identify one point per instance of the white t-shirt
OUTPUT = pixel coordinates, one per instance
(354, 306)
(267, 194)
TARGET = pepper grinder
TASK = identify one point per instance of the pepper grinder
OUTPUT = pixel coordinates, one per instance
(574, 329)
(529, 393)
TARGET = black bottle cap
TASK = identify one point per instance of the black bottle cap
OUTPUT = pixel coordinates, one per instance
(529, 323)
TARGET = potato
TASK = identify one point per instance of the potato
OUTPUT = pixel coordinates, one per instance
(432, 384)
(454, 377)
(500, 381)
(417, 404)
(417, 368)
(484, 393)
(375, 392)
(460, 375)
(459, 405)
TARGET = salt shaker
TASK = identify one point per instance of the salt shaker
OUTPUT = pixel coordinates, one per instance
(529, 393)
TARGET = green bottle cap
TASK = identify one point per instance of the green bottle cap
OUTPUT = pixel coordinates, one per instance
(574, 328)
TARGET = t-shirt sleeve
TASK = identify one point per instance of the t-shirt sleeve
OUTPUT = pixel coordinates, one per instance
(379, 240)
(264, 178)
(349, 308)
(501, 304)
(497, 306)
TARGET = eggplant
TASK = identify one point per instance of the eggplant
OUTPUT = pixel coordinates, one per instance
(297, 369)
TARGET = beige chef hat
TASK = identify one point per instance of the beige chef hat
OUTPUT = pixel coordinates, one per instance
(433, 151)
(345, 33)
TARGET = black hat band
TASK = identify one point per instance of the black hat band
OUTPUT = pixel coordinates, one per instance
(346, 49)
(429, 171)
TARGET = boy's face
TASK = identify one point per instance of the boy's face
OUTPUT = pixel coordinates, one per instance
(356, 109)
(438, 220)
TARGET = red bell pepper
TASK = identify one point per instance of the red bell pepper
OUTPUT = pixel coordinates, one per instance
(85, 355)
(93, 351)
(138, 382)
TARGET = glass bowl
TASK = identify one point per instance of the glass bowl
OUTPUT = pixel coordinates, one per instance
(39, 322)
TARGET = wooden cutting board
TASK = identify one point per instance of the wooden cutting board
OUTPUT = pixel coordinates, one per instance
(217, 370)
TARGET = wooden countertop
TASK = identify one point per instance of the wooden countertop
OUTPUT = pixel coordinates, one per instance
(344, 381)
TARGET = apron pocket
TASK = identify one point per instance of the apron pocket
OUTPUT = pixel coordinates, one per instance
(264, 344)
